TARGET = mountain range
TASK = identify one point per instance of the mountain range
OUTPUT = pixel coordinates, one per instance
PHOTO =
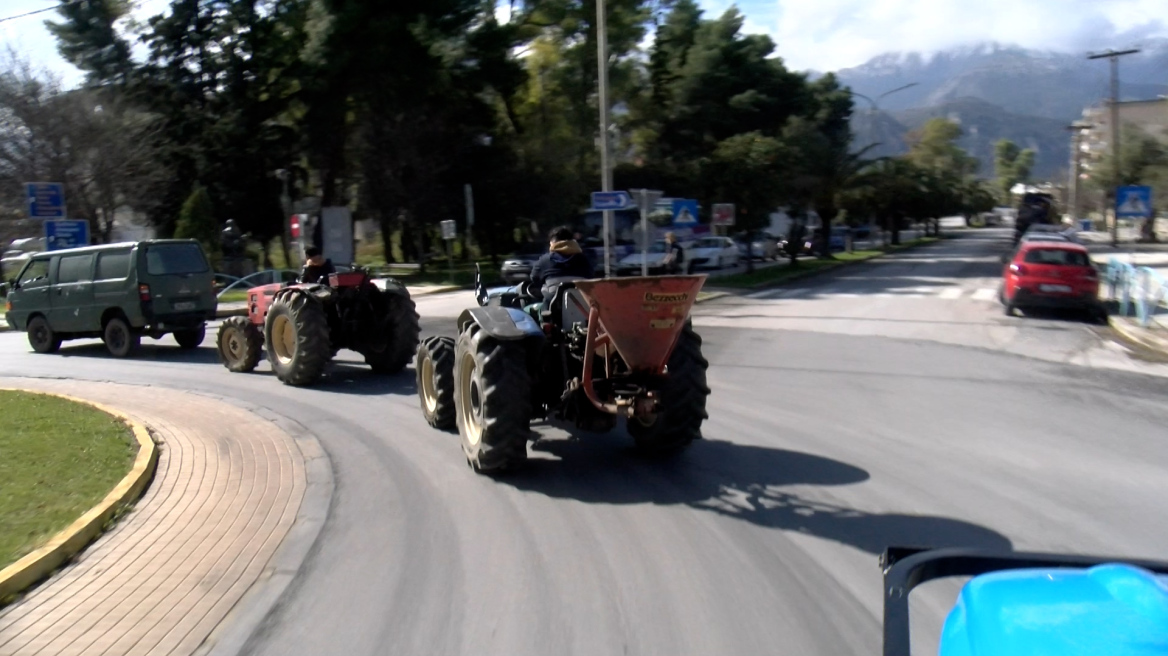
(995, 91)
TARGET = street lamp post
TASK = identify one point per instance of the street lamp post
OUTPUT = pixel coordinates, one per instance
(286, 204)
(602, 80)
(1113, 56)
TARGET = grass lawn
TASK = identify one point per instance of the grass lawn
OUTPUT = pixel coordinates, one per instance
(233, 296)
(60, 459)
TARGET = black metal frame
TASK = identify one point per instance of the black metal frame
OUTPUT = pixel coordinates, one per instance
(907, 567)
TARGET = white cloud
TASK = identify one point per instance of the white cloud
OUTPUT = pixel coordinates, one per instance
(833, 34)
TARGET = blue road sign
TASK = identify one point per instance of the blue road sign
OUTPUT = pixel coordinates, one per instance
(1133, 202)
(46, 200)
(685, 212)
(66, 234)
(611, 200)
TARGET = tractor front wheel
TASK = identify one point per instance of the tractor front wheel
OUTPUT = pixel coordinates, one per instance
(681, 404)
(296, 338)
(401, 322)
(434, 365)
(239, 342)
(492, 400)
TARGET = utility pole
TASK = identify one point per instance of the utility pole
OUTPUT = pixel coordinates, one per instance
(1113, 56)
(602, 80)
(1073, 183)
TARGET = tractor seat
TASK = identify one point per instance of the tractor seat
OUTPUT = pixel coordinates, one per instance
(555, 297)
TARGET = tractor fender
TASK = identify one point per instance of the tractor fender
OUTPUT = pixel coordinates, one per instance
(395, 287)
(315, 291)
(502, 323)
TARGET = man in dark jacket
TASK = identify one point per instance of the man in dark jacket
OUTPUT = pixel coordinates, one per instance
(564, 258)
(317, 268)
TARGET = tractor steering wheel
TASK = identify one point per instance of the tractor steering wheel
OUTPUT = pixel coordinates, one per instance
(527, 289)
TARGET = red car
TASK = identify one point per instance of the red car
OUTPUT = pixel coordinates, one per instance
(1051, 274)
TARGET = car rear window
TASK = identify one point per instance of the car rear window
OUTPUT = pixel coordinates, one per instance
(1057, 256)
(175, 259)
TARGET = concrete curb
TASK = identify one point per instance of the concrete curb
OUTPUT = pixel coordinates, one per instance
(39, 564)
(1136, 335)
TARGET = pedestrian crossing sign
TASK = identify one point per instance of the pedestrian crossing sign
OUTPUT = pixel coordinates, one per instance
(685, 212)
(1133, 202)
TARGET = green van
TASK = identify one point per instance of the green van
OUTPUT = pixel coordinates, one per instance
(117, 292)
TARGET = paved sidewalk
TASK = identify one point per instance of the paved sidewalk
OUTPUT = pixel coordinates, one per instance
(228, 488)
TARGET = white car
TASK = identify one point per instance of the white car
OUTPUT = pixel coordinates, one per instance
(630, 265)
(716, 252)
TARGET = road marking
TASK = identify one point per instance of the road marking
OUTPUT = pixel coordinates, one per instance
(985, 294)
(951, 293)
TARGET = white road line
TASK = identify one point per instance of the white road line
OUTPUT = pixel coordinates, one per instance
(951, 293)
(985, 294)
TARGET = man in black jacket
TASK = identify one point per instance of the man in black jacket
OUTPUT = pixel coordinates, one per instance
(317, 268)
(564, 258)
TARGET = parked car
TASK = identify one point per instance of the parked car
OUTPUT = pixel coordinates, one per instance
(1046, 229)
(517, 268)
(118, 292)
(1051, 274)
(716, 252)
(630, 265)
(762, 245)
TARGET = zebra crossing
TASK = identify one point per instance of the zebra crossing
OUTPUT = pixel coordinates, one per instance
(940, 292)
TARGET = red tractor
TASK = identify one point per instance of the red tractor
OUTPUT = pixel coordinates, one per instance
(302, 326)
(599, 350)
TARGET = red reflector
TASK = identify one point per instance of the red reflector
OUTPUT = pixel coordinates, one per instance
(144, 292)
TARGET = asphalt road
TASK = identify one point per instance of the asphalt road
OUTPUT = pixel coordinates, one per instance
(839, 425)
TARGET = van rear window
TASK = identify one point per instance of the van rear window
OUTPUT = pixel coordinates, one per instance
(175, 259)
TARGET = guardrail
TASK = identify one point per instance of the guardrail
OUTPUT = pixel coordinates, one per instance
(258, 278)
(1141, 287)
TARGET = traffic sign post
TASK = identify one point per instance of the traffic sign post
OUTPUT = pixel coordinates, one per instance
(449, 233)
(611, 200)
(61, 234)
(646, 200)
(685, 212)
(723, 215)
(1133, 203)
(46, 200)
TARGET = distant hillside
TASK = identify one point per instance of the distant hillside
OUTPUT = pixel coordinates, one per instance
(1021, 81)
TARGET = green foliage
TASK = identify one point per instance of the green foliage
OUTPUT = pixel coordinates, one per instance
(934, 147)
(1011, 166)
(1144, 161)
(197, 221)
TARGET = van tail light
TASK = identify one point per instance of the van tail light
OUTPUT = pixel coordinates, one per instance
(1018, 269)
(144, 292)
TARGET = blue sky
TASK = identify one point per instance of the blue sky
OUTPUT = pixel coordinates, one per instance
(820, 34)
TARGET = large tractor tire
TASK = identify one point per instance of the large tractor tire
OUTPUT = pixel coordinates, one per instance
(434, 366)
(682, 406)
(296, 338)
(240, 343)
(492, 400)
(401, 318)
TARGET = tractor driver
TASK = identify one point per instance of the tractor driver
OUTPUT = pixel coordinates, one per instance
(317, 268)
(564, 259)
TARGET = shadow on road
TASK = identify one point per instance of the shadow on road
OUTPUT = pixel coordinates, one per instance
(739, 481)
(146, 352)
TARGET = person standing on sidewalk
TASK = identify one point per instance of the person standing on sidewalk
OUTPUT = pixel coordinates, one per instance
(674, 255)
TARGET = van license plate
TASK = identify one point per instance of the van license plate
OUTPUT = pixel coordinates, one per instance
(1054, 288)
(184, 305)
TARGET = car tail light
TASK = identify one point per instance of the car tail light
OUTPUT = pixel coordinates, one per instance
(1091, 274)
(144, 292)
(1018, 269)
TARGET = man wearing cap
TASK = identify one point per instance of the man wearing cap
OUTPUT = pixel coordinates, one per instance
(317, 268)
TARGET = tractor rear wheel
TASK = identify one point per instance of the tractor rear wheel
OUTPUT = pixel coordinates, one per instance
(434, 365)
(296, 338)
(239, 342)
(682, 404)
(492, 400)
(401, 320)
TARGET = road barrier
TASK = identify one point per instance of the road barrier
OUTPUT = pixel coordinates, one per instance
(1143, 288)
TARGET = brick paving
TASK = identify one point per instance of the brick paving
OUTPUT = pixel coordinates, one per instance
(227, 490)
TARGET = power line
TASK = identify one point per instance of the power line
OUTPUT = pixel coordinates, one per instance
(37, 11)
